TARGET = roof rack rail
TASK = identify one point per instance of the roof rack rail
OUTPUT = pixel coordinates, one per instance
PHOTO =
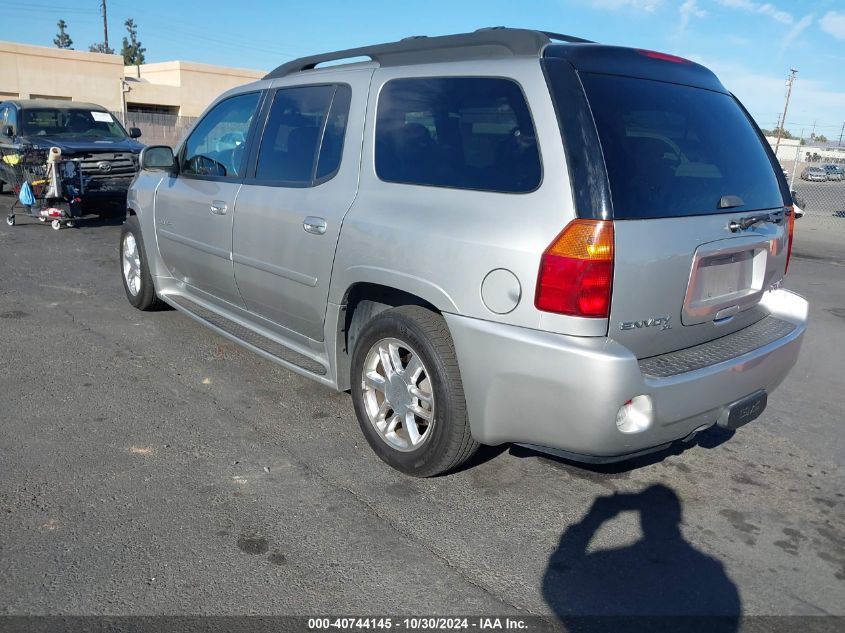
(560, 37)
(487, 43)
(556, 37)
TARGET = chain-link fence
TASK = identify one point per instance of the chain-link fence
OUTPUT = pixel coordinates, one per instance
(158, 128)
(820, 193)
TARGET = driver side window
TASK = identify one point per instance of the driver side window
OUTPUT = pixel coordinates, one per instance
(216, 146)
(12, 118)
(7, 117)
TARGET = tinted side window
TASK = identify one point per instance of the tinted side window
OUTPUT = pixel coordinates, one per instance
(463, 132)
(332, 147)
(303, 138)
(216, 146)
(666, 152)
(8, 116)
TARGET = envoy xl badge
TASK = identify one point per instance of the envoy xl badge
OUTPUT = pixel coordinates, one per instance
(661, 322)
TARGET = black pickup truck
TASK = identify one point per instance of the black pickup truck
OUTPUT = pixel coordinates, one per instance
(88, 133)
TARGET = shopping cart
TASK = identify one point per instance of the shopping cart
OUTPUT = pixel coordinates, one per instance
(46, 186)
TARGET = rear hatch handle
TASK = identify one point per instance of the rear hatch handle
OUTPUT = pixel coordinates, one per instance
(775, 217)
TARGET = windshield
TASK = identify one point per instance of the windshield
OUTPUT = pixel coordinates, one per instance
(673, 150)
(70, 122)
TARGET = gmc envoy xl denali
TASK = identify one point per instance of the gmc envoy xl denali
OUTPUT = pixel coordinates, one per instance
(500, 236)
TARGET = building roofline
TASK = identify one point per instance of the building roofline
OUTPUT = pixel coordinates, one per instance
(179, 64)
(51, 51)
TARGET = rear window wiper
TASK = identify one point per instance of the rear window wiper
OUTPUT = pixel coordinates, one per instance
(729, 202)
(775, 217)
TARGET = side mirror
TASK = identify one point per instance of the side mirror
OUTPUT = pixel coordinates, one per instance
(134, 132)
(157, 158)
(9, 131)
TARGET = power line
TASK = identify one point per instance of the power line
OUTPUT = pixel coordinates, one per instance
(832, 125)
(42, 11)
(45, 7)
(202, 37)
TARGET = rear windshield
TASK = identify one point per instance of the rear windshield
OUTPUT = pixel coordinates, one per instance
(673, 150)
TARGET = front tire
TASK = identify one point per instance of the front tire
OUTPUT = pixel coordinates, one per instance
(137, 280)
(407, 392)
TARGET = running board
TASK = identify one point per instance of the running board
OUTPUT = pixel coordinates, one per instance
(247, 337)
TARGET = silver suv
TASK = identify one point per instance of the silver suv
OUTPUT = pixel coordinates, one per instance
(500, 236)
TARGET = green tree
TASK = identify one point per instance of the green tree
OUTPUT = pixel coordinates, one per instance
(821, 138)
(62, 39)
(133, 52)
(784, 134)
(100, 47)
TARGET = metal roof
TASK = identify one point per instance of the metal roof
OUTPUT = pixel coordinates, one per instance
(487, 43)
(56, 103)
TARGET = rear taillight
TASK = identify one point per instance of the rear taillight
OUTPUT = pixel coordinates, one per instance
(576, 270)
(790, 223)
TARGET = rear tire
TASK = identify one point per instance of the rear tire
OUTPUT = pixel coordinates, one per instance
(135, 273)
(438, 439)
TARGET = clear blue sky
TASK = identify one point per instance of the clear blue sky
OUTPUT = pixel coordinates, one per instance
(751, 44)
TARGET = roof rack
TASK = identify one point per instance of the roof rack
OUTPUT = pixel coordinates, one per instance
(487, 43)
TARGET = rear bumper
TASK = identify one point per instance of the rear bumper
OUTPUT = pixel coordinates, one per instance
(563, 392)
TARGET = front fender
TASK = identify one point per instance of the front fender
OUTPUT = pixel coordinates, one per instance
(140, 202)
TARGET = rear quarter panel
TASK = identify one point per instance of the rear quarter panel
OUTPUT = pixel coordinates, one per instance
(440, 243)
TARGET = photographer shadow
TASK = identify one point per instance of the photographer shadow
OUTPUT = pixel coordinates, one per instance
(659, 583)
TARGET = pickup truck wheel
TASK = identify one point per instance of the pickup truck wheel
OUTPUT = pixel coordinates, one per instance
(408, 394)
(137, 281)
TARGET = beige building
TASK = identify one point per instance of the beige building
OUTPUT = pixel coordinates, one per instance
(177, 87)
(791, 149)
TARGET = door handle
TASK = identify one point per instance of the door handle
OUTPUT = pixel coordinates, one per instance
(314, 225)
(218, 207)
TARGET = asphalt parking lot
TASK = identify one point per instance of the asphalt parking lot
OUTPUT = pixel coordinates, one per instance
(148, 466)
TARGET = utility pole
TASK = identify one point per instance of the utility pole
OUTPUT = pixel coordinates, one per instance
(105, 24)
(789, 82)
(841, 132)
(795, 162)
(124, 88)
